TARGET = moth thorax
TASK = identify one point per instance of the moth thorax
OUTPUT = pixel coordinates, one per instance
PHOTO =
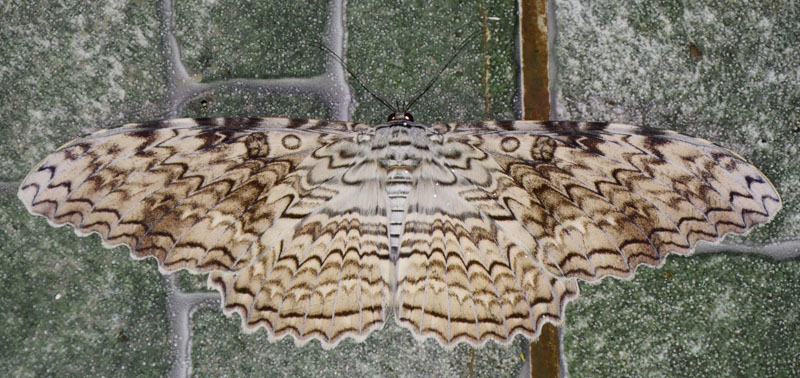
(406, 163)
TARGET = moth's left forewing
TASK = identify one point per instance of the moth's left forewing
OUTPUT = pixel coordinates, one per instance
(602, 198)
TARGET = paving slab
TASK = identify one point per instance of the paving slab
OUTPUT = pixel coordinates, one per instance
(725, 71)
(70, 307)
(71, 67)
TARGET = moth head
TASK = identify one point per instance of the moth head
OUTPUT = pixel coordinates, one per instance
(397, 116)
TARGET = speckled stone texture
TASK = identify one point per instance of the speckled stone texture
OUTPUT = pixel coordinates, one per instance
(67, 306)
(726, 71)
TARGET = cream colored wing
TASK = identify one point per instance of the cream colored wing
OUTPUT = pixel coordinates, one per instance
(462, 278)
(259, 202)
(508, 214)
(327, 280)
(597, 199)
(462, 274)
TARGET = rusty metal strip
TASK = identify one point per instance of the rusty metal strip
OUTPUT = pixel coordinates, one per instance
(535, 84)
(533, 60)
(545, 353)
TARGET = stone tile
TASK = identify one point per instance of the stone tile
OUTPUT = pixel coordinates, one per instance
(391, 352)
(192, 283)
(722, 70)
(700, 316)
(256, 102)
(71, 67)
(725, 71)
(226, 39)
(70, 307)
(395, 50)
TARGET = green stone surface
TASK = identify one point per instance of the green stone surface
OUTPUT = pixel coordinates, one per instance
(70, 67)
(250, 39)
(397, 57)
(719, 315)
(192, 283)
(236, 102)
(68, 307)
(726, 71)
(220, 349)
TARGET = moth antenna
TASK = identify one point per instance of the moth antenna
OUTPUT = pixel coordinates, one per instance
(352, 74)
(460, 48)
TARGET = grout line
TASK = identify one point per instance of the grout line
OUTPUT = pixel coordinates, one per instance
(546, 357)
(177, 79)
(180, 305)
(552, 89)
(335, 37)
(779, 251)
(552, 59)
(177, 76)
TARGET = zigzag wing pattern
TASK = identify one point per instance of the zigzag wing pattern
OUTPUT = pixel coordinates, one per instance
(461, 275)
(462, 278)
(240, 197)
(328, 277)
(599, 199)
(468, 232)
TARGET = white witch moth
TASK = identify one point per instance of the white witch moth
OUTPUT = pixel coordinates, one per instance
(463, 231)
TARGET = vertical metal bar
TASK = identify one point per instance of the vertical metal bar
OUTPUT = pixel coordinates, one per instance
(534, 58)
(535, 86)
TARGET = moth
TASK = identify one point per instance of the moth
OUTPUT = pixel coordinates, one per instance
(464, 232)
